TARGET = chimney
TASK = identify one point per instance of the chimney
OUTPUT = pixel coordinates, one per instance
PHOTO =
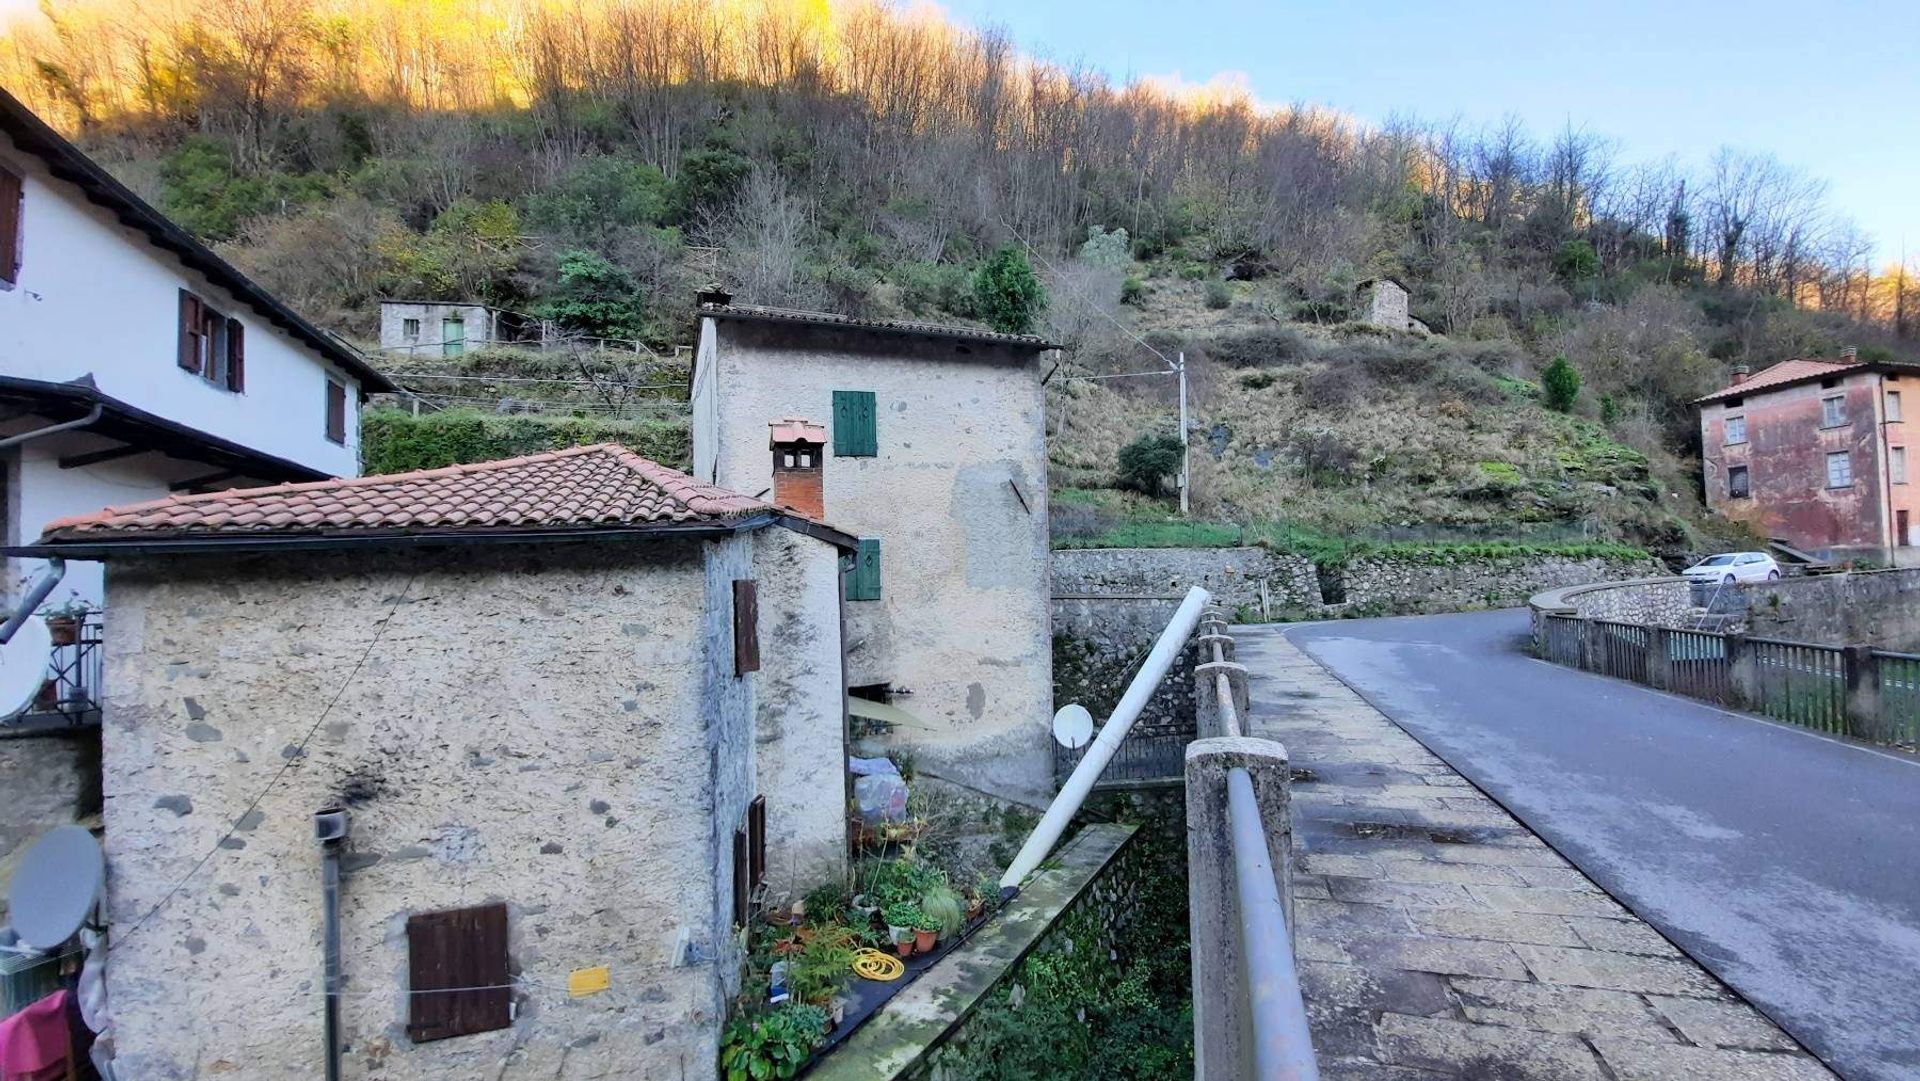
(1850, 354)
(1740, 373)
(714, 295)
(799, 457)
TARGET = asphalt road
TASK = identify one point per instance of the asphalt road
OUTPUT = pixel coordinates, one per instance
(1787, 863)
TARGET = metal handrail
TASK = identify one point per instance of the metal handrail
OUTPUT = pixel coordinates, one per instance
(1282, 1042)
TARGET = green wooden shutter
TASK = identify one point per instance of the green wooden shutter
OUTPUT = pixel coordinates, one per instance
(864, 583)
(854, 434)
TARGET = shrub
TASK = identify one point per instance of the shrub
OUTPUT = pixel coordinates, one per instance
(935, 287)
(1218, 294)
(201, 189)
(1261, 348)
(1133, 290)
(1007, 293)
(393, 441)
(1257, 380)
(1561, 384)
(708, 179)
(1576, 261)
(774, 1045)
(599, 194)
(595, 297)
(1321, 311)
(1148, 460)
(1331, 387)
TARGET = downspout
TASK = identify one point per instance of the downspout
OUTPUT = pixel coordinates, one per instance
(64, 426)
(330, 829)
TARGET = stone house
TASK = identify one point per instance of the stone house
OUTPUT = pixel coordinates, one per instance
(1813, 453)
(450, 328)
(929, 444)
(577, 706)
(1383, 303)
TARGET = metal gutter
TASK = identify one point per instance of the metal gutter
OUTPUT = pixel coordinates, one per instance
(53, 429)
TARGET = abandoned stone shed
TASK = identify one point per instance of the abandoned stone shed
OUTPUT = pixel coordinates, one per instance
(928, 443)
(576, 704)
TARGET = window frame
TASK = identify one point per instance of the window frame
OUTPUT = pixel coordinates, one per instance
(1897, 464)
(1744, 488)
(336, 415)
(1742, 422)
(458, 948)
(856, 424)
(409, 327)
(1846, 458)
(13, 226)
(1833, 411)
(1892, 406)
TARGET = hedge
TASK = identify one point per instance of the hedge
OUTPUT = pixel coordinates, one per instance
(394, 441)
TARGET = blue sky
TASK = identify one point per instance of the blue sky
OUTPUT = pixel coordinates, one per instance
(1832, 89)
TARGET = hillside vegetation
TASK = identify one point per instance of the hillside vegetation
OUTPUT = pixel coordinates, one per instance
(594, 162)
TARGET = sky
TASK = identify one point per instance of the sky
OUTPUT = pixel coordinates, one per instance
(1832, 89)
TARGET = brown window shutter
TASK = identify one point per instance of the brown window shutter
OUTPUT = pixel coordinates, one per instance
(742, 889)
(746, 627)
(336, 412)
(458, 958)
(757, 842)
(190, 331)
(11, 203)
(236, 356)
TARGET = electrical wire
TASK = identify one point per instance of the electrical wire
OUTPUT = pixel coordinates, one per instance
(299, 752)
(1061, 280)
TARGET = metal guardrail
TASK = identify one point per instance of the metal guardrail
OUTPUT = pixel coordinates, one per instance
(1854, 691)
(72, 691)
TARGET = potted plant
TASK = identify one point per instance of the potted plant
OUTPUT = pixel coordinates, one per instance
(773, 1045)
(903, 919)
(926, 933)
(63, 620)
(943, 907)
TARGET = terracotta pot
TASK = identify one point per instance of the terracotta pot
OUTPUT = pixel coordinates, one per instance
(48, 698)
(64, 629)
(904, 947)
(924, 941)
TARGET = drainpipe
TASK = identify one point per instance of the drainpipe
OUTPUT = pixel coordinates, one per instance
(55, 569)
(330, 829)
(1065, 805)
(51, 429)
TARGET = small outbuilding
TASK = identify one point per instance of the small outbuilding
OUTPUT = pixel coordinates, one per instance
(1383, 303)
(581, 713)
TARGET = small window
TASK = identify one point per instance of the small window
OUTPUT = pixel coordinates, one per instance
(336, 412)
(212, 346)
(1833, 411)
(746, 627)
(12, 209)
(410, 327)
(1735, 403)
(1839, 470)
(1893, 405)
(1829, 384)
(1736, 430)
(463, 948)
(1897, 464)
(863, 584)
(1738, 486)
(854, 428)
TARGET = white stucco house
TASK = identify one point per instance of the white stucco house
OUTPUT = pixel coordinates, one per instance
(581, 711)
(134, 362)
(929, 444)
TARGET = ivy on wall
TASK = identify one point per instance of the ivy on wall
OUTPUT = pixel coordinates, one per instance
(395, 441)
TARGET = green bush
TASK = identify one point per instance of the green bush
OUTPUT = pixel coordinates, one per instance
(596, 298)
(202, 190)
(773, 1045)
(708, 179)
(1007, 293)
(1560, 384)
(394, 441)
(599, 194)
(1147, 461)
(1132, 290)
(1576, 261)
(1218, 294)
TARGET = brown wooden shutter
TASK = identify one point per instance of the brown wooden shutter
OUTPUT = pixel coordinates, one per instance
(742, 889)
(757, 842)
(11, 201)
(457, 948)
(236, 356)
(190, 332)
(336, 412)
(746, 627)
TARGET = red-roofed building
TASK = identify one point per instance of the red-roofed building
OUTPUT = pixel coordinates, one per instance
(581, 710)
(1814, 453)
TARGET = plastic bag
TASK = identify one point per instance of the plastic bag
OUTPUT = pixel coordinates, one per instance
(881, 797)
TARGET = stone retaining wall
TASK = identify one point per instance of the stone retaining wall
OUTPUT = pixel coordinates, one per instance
(1874, 608)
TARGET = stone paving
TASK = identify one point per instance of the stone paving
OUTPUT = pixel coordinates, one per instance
(1438, 937)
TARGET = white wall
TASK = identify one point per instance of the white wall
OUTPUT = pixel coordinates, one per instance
(96, 297)
(478, 328)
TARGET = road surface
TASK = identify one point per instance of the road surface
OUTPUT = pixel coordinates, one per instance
(1787, 863)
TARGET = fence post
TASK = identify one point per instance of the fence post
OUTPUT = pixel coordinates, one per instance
(1207, 641)
(1222, 1013)
(1741, 681)
(1659, 658)
(1862, 672)
(1236, 681)
(1590, 644)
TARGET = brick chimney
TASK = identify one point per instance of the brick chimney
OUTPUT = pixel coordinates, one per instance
(1740, 374)
(799, 455)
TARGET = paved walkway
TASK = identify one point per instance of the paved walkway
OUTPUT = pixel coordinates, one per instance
(1438, 937)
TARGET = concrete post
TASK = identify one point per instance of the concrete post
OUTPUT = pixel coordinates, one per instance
(1742, 680)
(1207, 721)
(1863, 692)
(1236, 681)
(1590, 646)
(1208, 641)
(1222, 1017)
(1659, 658)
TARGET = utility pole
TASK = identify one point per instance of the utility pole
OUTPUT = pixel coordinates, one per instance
(1185, 503)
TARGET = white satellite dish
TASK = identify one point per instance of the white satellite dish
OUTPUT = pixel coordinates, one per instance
(1073, 726)
(55, 886)
(23, 667)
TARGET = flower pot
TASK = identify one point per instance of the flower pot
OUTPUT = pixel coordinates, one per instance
(973, 908)
(47, 698)
(64, 629)
(904, 946)
(924, 941)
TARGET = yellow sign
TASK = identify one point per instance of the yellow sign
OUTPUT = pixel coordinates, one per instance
(582, 982)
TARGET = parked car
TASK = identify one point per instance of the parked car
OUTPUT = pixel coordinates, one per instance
(1734, 567)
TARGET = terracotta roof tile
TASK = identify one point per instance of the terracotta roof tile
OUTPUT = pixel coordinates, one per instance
(580, 487)
(1787, 371)
(765, 314)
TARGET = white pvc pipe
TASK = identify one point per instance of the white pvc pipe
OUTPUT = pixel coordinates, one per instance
(1067, 804)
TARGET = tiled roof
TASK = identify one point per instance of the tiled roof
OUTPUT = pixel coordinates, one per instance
(605, 485)
(796, 430)
(755, 312)
(1787, 371)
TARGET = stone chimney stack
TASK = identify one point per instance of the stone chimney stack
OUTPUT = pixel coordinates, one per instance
(1740, 374)
(1850, 354)
(715, 295)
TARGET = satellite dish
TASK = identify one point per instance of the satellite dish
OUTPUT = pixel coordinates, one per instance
(1073, 726)
(55, 886)
(23, 667)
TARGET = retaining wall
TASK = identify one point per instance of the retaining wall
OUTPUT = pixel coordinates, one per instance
(1873, 608)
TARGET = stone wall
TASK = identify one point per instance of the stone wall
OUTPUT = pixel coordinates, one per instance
(1655, 602)
(1875, 608)
(46, 780)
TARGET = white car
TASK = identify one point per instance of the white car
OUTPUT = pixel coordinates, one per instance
(1734, 567)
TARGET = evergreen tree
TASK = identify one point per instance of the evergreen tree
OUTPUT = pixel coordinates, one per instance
(1561, 383)
(1008, 293)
